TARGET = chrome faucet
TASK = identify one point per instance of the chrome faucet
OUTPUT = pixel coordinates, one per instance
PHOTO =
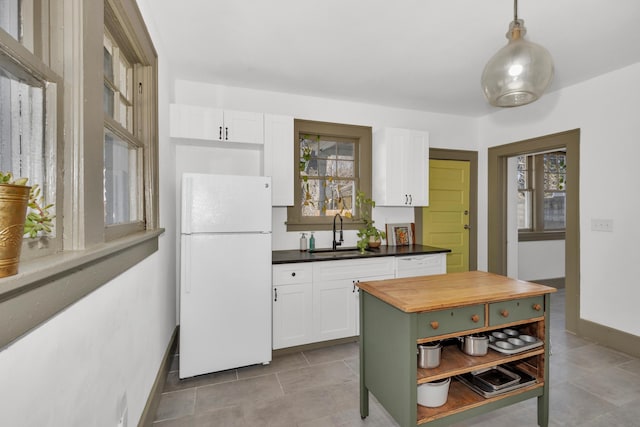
(337, 243)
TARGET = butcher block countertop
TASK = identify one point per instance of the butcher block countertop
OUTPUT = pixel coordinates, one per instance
(427, 293)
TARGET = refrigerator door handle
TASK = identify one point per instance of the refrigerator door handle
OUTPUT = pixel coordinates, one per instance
(186, 205)
(185, 276)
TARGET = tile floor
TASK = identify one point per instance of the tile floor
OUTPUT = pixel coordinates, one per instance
(590, 386)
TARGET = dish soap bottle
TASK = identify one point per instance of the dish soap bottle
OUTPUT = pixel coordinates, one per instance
(312, 243)
(303, 242)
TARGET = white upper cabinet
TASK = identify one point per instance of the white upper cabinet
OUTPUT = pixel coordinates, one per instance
(213, 124)
(278, 157)
(401, 167)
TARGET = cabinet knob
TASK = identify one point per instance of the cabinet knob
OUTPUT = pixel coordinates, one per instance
(293, 274)
(435, 324)
(504, 313)
(537, 307)
(475, 318)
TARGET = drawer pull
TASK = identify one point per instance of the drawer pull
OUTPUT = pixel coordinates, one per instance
(537, 307)
(293, 274)
(504, 313)
(475, 318)
(435, 324)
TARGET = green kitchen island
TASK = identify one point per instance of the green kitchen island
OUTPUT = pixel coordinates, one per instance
(398, 314)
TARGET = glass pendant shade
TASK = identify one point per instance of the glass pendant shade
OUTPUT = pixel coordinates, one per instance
(519, 73)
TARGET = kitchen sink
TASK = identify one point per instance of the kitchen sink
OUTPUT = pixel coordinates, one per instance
(338, 249)
(348, 252)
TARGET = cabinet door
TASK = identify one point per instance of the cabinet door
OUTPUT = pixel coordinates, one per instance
(195, 122)
(292, 315)
(240, 126)
(278, 157)
(388, 167)
(401, 167)
(416, 173)
(333, 315)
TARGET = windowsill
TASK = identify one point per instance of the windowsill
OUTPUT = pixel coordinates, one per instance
(538, 236)
(54, 282)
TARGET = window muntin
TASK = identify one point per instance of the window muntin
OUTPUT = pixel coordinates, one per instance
(541, 204)
(328, 175)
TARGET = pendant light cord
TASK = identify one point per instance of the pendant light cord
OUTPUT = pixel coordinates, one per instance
(515, 10)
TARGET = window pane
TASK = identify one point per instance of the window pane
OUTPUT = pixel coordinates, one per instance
(554, 210)
(10, 17)
(523, 173)
(524, 210)
(107, 64)
(121, 191)
(555, 171)
(24, 150)
(107, 101)
(327, 197)
(124, 114)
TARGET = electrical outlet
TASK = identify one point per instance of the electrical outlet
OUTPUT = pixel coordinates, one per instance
(602, 225)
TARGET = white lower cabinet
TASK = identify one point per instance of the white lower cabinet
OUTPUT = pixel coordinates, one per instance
(319, 301)
(292, 302)
(333, 315)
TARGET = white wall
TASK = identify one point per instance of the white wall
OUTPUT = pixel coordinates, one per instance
(541, 260)
(75, 369)
(445, 131)
(606, 110)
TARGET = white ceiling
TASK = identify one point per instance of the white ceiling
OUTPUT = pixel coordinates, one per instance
(417, 54)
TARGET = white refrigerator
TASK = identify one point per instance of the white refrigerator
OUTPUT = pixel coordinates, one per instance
(225, 272)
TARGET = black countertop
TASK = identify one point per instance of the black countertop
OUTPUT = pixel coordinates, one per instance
(291, 256)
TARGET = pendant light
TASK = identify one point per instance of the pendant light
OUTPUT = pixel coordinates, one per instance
(520, 72)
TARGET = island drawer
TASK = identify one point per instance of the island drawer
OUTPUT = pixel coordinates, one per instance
(515, 310)
(290, 274)
(442, 322)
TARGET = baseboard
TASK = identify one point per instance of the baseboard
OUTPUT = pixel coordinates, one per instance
(150, 409)
(313, 346)
(609, 337)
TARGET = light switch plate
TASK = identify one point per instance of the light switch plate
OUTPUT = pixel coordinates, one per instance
(602, 225)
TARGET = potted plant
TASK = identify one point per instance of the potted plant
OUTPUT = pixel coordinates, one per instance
(16, 222)
(368, 235)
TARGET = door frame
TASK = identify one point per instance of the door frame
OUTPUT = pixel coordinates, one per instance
(472, 158)
(497, 210)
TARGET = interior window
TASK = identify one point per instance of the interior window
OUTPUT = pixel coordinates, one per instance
(542, 180)
(333, 161)
(328, 175)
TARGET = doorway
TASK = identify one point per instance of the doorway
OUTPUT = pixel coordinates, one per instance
(450, 221)
(497, 210)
